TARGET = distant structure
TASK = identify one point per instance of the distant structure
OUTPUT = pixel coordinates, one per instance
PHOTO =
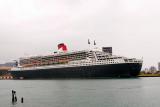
(107, 50)
(146, 70)
(152, 69)
(8, 64)
(158, 66)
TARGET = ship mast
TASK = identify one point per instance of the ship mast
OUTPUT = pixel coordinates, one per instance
(89, 44)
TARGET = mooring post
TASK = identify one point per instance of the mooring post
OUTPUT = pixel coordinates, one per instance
(12, 96)
(22, 100)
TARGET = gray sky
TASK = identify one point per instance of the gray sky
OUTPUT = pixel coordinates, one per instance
(35, 27)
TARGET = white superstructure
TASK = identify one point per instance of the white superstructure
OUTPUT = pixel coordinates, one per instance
(72, 59)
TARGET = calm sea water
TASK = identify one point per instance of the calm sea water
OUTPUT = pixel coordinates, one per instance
(137, 92)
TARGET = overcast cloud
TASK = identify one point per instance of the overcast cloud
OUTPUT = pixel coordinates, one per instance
(35, 27)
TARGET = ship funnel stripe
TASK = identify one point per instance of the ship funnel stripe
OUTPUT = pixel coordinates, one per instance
(62, 46)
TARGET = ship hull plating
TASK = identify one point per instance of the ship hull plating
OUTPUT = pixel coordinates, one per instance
(96, 71)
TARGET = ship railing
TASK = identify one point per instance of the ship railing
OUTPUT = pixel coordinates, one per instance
(133, 60)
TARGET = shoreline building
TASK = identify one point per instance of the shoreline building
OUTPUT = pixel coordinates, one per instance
(158, 66)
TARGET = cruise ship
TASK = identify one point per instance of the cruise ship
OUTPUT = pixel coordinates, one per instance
(77, 64)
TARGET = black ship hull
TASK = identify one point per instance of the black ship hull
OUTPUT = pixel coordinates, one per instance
(96, 71)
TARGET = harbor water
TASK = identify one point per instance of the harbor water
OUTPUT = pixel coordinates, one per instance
(133, 92)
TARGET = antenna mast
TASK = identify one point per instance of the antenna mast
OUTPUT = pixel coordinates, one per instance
(89, 43)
